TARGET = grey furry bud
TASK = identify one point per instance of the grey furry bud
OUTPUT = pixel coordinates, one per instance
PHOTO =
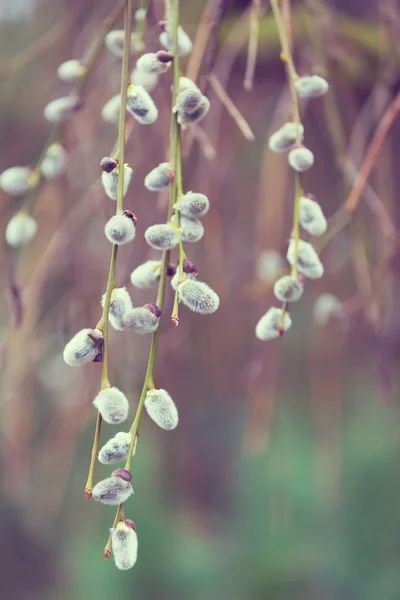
(162, 409)
(326, 307)
(273, 324)
(308, 262)
(285, 137)
(159, 178)
(192, 230)
(198, 296)
(187, 119)
(61, 109)
(162, 237)
(288, 289)
(301, 158)
(146, 275)
(149, 63)
(189, 99)
(269, 263)
(112, 490)
(311, 217)
(83, 348)
(110, 181)
(194, 205)
(184, 42)
(116, 449)
(311, 86)
(124, 545)
(146, 80)
(120, 229)
(71, 70)
(113, 405)
(141, 320)
(20, 230)
(114, 41)
(16, 180)
(120, 306)
(111, 109)
(54, 162)
(140, 104)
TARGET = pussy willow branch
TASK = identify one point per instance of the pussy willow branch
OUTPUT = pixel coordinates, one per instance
(103, 323)
(291, 72)
(77, 92)
(149, 377)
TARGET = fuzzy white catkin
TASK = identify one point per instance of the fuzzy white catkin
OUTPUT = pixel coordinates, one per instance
(61, 109)
(269, 263)
(54, 162)
(301, 159)
(189, 99)
(124, 545)
(114, 41)
(20, 230)
(110, 181)
(198, 296)
(16, 180)
(327, 306)
(308, 262)
(70, 70)
(162, 409)
(120, 306)
(116, 449)
(285, 137)
(194, 205)
(141, 320)
(311, 86)
(149, 63)
(184, 42)
(146, 275)
(268, 327)
(113, 405)
(162, 237)
(112, 490)
(120, 230)
(187, 119)
(81, 349)
(192, 230)
(311, 217)
(111, 109)
(288, 289)
(146, 80)
(175, 278)
(158, 178)
(140, 104)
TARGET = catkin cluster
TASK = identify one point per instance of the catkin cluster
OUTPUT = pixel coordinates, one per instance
(303, 259)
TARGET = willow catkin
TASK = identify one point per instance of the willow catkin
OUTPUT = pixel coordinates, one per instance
(113, 405)
(83, 348)
(162, 409)
(273, 324)
(124, 545)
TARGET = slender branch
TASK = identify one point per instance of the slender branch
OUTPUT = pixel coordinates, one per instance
(292, 75)
(103, 323)
(231, 107)
(255, 14)
(149, 377)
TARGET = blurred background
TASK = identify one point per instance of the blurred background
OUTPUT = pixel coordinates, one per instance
(282, 479)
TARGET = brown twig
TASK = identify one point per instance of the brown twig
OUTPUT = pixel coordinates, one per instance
(231, 107)
(255, 14)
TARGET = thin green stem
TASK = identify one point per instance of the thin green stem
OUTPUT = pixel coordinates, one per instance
(103, 323)
(149, 377)
(77, 92)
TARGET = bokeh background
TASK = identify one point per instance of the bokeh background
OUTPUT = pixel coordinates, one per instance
(282, 479)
